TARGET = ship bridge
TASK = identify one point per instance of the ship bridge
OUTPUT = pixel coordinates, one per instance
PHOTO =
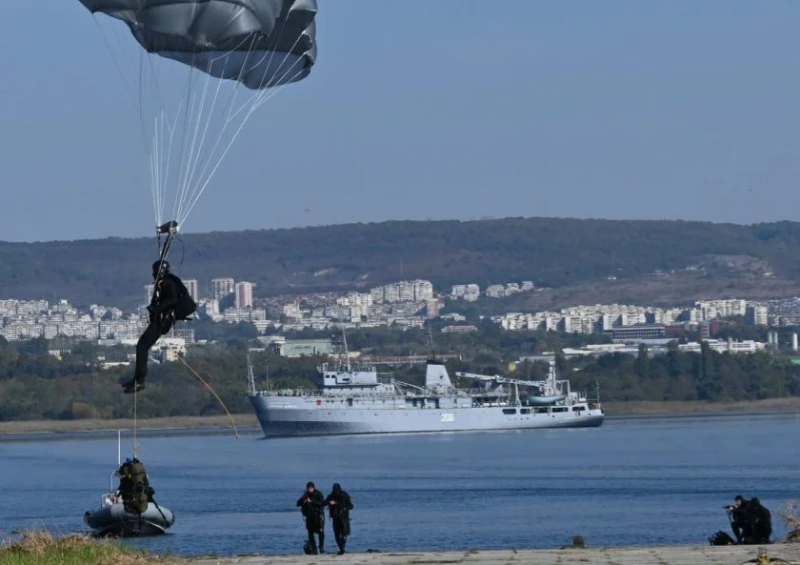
(349, 378)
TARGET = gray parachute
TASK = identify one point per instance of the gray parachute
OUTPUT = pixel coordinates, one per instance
(260, 43)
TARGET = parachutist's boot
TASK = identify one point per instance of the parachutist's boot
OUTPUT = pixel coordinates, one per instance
(132, 386)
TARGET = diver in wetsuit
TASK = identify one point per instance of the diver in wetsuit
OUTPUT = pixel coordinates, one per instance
(340, 505)
(750, 520)
(738, 516)
(311, 505)
(760, 521)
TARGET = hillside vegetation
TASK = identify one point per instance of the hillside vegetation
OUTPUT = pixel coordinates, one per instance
(551, 252)
(34, 385)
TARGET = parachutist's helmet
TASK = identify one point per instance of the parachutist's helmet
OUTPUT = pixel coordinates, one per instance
(163, 265)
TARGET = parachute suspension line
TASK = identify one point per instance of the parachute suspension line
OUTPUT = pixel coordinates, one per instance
(198, 192)
(125, 79)
(188, 180)
(185, 187)
(193, 372)
(257, 100)
(157, 162)
(186, 192)
(161, 122)
(193, 160)
(127, 82)
(118, 53)
(191, 165)
(197, 113)
(155, 177)
(135, 420)
(186, 119)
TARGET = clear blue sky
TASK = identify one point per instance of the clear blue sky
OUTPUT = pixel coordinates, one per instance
(431, 109)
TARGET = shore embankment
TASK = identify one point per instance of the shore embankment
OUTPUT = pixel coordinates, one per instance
(40, 548)
(664, 555)
(248, 421)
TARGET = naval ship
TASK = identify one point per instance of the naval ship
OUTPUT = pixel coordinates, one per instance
(355, 400)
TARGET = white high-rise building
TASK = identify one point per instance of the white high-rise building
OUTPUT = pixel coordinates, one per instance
(220, 288)
(191, 286)
(244, 295)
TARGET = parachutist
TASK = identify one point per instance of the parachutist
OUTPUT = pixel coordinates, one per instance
(171, 302)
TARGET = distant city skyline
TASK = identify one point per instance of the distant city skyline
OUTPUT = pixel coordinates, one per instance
(451, 109)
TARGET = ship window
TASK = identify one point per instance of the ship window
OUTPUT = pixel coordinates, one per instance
(578, 408)
(509, 410)
(525, 411)
(560, 409)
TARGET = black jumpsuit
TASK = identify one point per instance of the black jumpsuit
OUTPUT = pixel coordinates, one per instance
(162, 307)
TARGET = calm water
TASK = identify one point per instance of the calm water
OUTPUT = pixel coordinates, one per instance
(629, 482)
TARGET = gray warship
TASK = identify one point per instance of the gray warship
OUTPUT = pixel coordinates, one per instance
(356, 400)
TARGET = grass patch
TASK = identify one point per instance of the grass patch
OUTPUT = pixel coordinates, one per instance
(788, 515)
(698, 407)
(97, 425)
(41, 548)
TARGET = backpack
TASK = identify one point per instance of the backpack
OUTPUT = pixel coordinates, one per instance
(186, 305)
(138, 475)
(721, 538)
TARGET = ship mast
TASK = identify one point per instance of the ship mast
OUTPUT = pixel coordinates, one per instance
(344, 352)
(251, 381)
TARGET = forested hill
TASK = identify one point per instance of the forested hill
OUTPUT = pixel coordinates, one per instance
(548, 251)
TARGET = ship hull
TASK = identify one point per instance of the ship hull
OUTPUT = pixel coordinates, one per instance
(279, 418)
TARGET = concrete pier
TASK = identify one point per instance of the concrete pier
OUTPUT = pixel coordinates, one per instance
(663, 555)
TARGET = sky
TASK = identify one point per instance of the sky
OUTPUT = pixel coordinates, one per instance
(423, 109)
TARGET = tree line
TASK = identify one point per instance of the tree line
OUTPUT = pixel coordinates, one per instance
(35, 384)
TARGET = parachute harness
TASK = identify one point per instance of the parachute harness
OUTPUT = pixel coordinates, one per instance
(170, 228)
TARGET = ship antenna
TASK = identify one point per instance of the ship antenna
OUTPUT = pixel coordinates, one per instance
(431, 350)
(346, 353)
(597, 389)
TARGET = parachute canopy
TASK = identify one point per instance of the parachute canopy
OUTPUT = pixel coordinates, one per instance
(234, 56)
(259, 43)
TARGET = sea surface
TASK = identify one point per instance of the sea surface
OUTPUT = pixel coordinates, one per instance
(630, 482)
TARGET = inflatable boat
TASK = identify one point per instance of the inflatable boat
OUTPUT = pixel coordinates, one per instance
(111, 519)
